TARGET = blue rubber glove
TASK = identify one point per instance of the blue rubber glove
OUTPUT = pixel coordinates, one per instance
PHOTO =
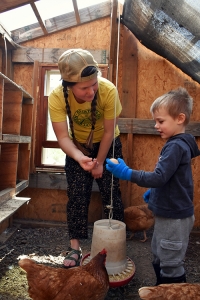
(146, 195)
(119, 170)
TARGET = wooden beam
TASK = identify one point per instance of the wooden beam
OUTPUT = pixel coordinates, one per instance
(145, 126)
(14, 138)
(7, 194)
(34, 8)
(128, 59)
(21, 186)
(51, 55)
(129, 62)
(35, 88)
(113, 42)
(11, 4)
(6, 38)
(52, 181)
(78, 20)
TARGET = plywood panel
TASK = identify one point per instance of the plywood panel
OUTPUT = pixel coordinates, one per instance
(93, 35)
(129, 75)
(26, 119)
(157, 76)
(50, 205)
(12, 112)
(23, 162)
(8, 165)
(23, 76)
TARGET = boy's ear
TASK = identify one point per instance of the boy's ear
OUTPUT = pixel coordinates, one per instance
(181, 118)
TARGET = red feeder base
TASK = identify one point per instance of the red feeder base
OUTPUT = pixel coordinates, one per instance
(120, 279)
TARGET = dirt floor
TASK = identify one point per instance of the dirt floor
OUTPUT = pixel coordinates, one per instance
(46, 245)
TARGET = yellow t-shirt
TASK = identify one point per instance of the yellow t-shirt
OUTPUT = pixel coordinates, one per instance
(108, 105)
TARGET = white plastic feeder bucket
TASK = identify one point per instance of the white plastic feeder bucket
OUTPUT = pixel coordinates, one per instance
(111, 235)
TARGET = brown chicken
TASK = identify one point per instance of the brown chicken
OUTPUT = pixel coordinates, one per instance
(88, 282)
(138, 218)
(173, 291)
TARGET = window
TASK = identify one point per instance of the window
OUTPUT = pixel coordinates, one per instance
(48, 153)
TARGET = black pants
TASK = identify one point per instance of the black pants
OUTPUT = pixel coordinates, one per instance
(79, 192)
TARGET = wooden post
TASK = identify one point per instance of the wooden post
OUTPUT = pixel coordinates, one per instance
(128, 99)
(112, 65)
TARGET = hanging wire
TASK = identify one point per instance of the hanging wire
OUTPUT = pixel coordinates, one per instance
(110, 207)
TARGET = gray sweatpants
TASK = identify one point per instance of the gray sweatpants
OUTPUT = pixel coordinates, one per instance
(169, 244)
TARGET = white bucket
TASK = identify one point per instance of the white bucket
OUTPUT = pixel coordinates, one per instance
(111, 235)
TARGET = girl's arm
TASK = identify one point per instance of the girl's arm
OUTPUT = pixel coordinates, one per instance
(68, 147)
(104, 147)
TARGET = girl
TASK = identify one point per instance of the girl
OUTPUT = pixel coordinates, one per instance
(92, 105)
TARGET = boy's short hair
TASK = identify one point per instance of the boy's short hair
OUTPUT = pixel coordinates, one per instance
(175, 102)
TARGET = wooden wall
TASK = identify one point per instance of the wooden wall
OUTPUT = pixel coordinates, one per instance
(142, 77)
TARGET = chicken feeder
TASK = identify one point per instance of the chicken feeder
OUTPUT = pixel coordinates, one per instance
(111, 235)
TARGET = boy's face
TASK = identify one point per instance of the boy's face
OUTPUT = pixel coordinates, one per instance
(166, 125)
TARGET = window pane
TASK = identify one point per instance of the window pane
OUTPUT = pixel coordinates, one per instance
(50, 132)
(53, 156)
(52, 80)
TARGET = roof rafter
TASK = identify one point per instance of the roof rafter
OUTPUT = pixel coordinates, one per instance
(78, 20)
(8, 5)
(34, 8)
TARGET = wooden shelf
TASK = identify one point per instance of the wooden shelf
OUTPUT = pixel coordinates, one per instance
(11, 138)
(9, 207)
(16, 109)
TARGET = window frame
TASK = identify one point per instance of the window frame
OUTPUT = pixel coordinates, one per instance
(41, 121)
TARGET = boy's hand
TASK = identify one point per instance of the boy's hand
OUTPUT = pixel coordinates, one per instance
(146, 195)
(119, 170)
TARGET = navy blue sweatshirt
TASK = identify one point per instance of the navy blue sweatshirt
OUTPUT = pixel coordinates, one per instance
(171, 182)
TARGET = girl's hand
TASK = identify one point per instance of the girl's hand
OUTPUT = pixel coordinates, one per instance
(97, 171)
(87, 163)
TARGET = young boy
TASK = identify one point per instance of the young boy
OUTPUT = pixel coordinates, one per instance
(171, 196)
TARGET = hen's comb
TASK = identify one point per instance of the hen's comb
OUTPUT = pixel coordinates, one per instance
(103, 251)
